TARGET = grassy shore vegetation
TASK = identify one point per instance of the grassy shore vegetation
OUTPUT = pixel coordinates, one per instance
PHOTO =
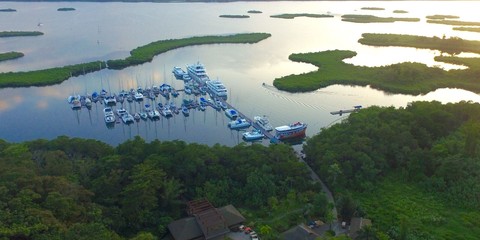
(373, 8)
(8, 10)
(47, 76)
(138, 56)
(467, 29)
(406, 78)
(374, 19)
(451, 45)
(146, 53)
(294, 15)
(20, 33)
(234, 16)
(400, 11)
(453, 22)
(414, 171)
(442, 17)
(254, 11)
(66, 9)
(85, 189)
(10, 56)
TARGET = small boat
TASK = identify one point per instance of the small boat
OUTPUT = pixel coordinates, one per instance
(293, 130)
(109, 101)
(174, 93)
(95, 97)
(178, 72)
(108, 115)
(138, 96)
(143, 115)
(263, 122)
(166, 112)
(255, 134)
(121, 112)
(202, 107)
(223, 105)
(137, 117)
(75, 101)
(188, 90)
(231, 113)
(185, 111)
(88, 103)
(154, 115)
(127, 118)
(239, 123)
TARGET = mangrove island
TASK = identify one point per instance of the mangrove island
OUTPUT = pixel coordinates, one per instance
(234, 16)
(20, 33)
(66, 9)
(10, 55)
(374, 19)
(294, 15)
(406, 78)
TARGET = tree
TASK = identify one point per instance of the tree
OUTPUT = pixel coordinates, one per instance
(366, 233)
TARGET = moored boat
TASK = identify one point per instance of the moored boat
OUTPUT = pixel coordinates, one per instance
(255, 134)
(108, 115)
(197, 72)
(185, 111)
(293, 130)
(231, 113)
(178, 72)
(239, 123)
(217, 88)
(263, 122)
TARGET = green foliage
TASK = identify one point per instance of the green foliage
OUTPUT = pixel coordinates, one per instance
(146, 53)
(407, 78)
(70, 188)
(374, 19)
(442, 17)
(234, 16)
(10, 56)
(453, 22)
(20, 33)
(400, 11)
(66, 9)
(372, 8)
(467, 29)
(419, 165)
(254, 11)
(294, 15)
(8, 10)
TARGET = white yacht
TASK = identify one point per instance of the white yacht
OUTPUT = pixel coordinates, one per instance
(197, 72)
(255, 134)
(217, 88)
(239, 123)
(108, 115)
(263, 122)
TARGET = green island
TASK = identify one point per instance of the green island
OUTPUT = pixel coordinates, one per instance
(10, 56)
(413, 171)
(400, 11)
(294, 15)
(254, 11)
(138, 56)
(70, 188)
(451, 45)
(8, 10)
(20, 33)
(234, 16)
(453, 22)
(467, 29)
(66, 9)
(442, 17)
(355, 18)
(405, 78)
(373, 8)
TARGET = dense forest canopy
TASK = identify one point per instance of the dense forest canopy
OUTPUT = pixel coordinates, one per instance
(85, 189)
(426, 149)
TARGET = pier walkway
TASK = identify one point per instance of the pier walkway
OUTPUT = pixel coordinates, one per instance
(267, 134)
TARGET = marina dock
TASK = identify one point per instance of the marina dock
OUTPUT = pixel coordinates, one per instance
(340, 112)
(267, 134)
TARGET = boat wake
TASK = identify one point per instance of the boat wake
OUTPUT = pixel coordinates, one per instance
(284, 95)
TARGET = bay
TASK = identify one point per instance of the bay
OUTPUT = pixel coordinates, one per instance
(103, 31)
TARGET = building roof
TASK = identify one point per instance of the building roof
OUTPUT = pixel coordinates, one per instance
(300, 232)
(190, 227)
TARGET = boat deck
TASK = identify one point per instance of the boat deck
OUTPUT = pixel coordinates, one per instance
(267, 134)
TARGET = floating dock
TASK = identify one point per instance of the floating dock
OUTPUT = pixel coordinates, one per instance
(267, 134)
(340, 112)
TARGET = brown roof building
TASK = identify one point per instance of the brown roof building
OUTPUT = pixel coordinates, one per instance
(205, 221)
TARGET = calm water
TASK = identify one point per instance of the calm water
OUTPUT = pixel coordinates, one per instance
(102, 31)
